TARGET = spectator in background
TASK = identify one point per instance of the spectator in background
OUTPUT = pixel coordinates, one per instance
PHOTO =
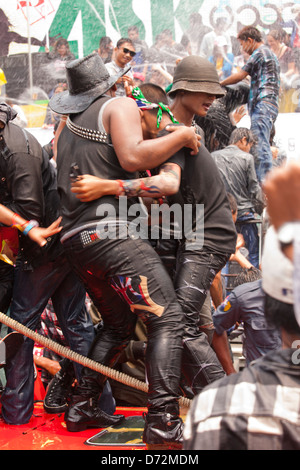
(139, 63)
(105, 49)
(236, 166)
(263, 68)
(124, 52)
(208, 42)
(221, 58)
(61, 51)
(196, 31)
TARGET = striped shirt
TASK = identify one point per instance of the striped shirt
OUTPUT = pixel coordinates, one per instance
(256, 409)
(264, 70)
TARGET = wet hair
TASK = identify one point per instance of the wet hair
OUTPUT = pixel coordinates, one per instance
(241, 132)
(247, 275)
(250, 32)
(123, 41)
(281, 315)
(154, 93)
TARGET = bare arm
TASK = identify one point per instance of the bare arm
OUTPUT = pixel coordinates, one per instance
(37, 234)
(234, 78)
(122, 120)
(167, 182)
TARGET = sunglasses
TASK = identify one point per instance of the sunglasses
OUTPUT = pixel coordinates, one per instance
(128, 51)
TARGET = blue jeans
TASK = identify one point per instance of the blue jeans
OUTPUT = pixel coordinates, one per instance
(262, 119)
(31, 292)
(125, 278)
(251, 237)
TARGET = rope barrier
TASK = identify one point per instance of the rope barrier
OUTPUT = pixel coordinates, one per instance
(84, 361)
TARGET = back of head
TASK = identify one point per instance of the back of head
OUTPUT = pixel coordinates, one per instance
(239, 133)
(250, 32)
(154, 93)
(247, 275)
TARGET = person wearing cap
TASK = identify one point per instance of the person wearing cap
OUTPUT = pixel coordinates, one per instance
(195, 88)
(29, 188)
(122, 273)
(257, 408)
(186, 181)
(264, 70)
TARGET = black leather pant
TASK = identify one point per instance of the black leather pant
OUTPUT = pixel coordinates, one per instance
(195, 272)
(126, 278)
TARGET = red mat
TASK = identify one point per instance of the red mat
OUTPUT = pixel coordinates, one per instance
(48, 432)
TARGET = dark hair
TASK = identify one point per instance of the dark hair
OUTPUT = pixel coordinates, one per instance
(250, 32)
(104, 42)
(133, 28)
(123, 41)
(247, 275)
(154, 93)
(241, 132)
(281, 315)
(62, 42)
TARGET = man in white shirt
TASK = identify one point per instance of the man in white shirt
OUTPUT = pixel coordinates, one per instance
(123, 54)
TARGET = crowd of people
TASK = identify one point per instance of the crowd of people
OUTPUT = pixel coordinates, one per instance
(157, 128)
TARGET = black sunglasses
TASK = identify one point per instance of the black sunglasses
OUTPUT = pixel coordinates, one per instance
(128, 51)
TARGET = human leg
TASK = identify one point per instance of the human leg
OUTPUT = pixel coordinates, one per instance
(31, 292)
(133, 272)
(250, 233)
(194, 275)
(262, 120)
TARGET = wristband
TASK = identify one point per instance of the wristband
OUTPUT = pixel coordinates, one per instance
(31, 224)
(14, 224)
(121, 191)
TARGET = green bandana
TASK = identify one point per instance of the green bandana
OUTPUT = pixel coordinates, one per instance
(142, 103)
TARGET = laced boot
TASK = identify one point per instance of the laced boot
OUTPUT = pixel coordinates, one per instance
(163, 430)
(83, 411)
(59, 389)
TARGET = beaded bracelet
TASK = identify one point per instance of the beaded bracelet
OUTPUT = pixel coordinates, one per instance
(31, 224)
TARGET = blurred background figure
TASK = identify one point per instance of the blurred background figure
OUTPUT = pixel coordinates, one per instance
(105, 49)
(221, 58)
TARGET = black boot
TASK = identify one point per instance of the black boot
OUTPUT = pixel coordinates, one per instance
(163, 430)
(59, 389)
(83, 411)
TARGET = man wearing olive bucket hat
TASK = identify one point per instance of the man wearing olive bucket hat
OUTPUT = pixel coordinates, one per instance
(120, 270)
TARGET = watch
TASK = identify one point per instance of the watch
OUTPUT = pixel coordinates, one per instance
(286, 233)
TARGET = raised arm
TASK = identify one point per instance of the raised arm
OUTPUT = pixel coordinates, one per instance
(122, 120)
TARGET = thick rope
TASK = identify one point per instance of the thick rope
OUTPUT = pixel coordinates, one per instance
(84, 361)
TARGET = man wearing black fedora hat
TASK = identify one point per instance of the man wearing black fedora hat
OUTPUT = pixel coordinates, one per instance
(120, 270)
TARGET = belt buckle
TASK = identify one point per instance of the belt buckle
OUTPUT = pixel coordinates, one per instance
(88, 237)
